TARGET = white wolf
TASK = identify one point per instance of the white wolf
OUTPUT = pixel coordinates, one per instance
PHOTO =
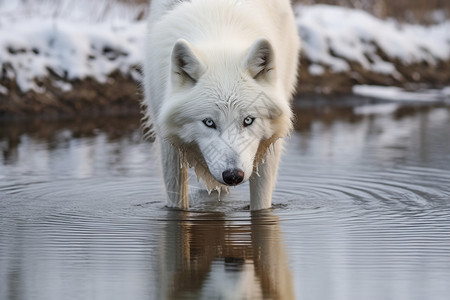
(218, 77)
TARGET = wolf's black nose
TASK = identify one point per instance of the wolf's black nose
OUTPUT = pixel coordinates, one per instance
(233, 176)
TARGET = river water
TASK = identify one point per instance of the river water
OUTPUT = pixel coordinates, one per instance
(361, 211)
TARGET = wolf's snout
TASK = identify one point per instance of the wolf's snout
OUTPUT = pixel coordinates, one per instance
(233, 176)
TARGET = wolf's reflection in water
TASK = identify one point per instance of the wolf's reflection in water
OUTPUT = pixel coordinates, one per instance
(206, 256)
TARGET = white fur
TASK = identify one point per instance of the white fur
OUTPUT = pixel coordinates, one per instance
(223, 60)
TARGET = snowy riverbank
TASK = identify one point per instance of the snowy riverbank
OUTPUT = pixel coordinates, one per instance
(65, 61)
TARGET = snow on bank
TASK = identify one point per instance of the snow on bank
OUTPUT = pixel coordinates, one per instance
(398, 94)
(393, 97)
(332, 36)
(29, 50)
(70, 39)
(78, 39)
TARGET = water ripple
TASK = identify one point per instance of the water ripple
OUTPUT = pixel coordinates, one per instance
(397, 189)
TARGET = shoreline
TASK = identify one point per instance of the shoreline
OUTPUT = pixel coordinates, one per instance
(121, 94)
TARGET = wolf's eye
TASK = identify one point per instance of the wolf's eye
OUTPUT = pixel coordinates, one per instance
(248, 121)
(209, 123)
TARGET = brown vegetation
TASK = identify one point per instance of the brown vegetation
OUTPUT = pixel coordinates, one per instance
(410, 11)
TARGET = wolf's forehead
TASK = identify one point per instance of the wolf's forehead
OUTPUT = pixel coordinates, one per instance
(228, 88)
(234, 103)
(236, 99)
(223, 92)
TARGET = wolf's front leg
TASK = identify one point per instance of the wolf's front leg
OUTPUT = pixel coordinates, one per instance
(175, 176)
(263, 183)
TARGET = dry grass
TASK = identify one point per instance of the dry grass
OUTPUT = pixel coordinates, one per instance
(410, 11)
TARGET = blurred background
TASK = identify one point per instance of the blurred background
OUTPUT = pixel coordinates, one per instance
(65, 58)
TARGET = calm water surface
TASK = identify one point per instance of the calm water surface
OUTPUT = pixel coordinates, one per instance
(361, 211)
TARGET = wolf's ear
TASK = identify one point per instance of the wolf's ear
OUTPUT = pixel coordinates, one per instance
(186, 66)
(260, 60)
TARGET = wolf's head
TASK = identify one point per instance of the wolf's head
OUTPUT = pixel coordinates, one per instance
(225, 108)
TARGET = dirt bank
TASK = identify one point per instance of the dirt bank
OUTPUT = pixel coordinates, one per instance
(410, 77)
(121, 94)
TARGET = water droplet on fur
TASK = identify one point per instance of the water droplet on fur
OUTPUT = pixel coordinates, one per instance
(218, 194)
